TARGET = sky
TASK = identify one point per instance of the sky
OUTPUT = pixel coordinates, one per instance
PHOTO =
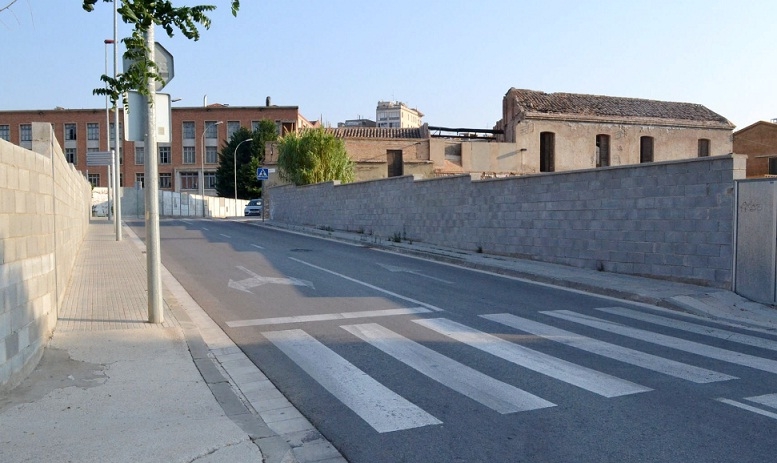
(452, 60)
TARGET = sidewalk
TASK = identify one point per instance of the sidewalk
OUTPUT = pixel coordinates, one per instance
(112, 387)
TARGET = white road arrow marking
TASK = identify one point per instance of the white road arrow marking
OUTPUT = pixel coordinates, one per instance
(258, 280)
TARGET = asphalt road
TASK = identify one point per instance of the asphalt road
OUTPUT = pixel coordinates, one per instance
(396, 359)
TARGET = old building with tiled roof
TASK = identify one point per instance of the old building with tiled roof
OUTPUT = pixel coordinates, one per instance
(566, 131)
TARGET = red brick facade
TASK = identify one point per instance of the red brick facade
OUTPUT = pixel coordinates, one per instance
(82, 130)
(759, 142)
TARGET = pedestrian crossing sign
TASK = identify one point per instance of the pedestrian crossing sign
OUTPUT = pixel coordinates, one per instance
(262, 173)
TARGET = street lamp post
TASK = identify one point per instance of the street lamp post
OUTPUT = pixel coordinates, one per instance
(202, 164)
(108, 129)
(234, 164)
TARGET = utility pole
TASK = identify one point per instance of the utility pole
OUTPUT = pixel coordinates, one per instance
(117, 142)
(153, 256)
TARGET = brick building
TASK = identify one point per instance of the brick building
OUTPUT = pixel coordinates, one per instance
(195, 131)
(759, 143)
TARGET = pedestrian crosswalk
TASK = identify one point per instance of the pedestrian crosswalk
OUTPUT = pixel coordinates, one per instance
(387, 411)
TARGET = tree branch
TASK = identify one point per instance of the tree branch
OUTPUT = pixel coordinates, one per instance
(7, 6)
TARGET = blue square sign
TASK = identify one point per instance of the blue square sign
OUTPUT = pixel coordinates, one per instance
(262, 173)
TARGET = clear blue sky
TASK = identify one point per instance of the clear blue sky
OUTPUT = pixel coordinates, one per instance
(452, 60)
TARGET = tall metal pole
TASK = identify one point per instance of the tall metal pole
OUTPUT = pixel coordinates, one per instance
(234, 164)
(108, 130)
(202, 167)
(117, 140)
(153, 256)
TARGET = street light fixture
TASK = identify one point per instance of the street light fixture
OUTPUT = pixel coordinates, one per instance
(202, 164)
(234, 164)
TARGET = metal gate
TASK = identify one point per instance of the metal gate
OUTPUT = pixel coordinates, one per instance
(755, 240)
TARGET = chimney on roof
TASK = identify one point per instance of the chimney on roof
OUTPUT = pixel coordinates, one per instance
(267, 101)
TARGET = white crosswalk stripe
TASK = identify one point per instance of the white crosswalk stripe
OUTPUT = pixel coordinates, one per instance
(490, 392)
(387, 411)
(749, 408)
(383, 409)
(669, 341)
(613, 351)
(585, 378)
(693, 327)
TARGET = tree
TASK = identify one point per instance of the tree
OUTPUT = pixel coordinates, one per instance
(249, 157)
(314, 156)
(144, 14)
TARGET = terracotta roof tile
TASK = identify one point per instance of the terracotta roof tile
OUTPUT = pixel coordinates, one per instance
(376, 132)
(532, 101)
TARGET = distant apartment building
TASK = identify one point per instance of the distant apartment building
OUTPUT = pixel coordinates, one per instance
(395, 114)
(357, 123)
(197, 135)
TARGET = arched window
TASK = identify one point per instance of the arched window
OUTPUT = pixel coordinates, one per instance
(646, 149)
(547, 151)
(602, 150)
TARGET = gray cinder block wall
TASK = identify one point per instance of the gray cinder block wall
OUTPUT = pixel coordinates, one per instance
(44, 214)
(670, 220)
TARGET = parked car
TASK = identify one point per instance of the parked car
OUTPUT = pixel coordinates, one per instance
(254, 207)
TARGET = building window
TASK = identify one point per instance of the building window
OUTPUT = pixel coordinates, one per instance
(232, 127)
(5, 132)
(394, 161)
(164, 154)
(70, 132)
(92, 150)
(772, 166)
(211, 129)
(139, 179)
(547, 151)
(113, 131)
(165, 181)
(189, 180)
(254, 126)
(188, 130)
(704, 147)
(25, 132)
(94, 179)
(646, 149)
(211, 155)
(70, 156)
(602, 150)
(140, 154)
(93, 131)
(188, 155)
(210, 180)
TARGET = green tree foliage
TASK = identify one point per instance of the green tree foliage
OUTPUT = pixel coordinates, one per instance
(249, 157)
(314, 156)
(143, 14)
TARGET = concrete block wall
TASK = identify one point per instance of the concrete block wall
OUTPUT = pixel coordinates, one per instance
(177, 204)
(44, 215)
(670, 220)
